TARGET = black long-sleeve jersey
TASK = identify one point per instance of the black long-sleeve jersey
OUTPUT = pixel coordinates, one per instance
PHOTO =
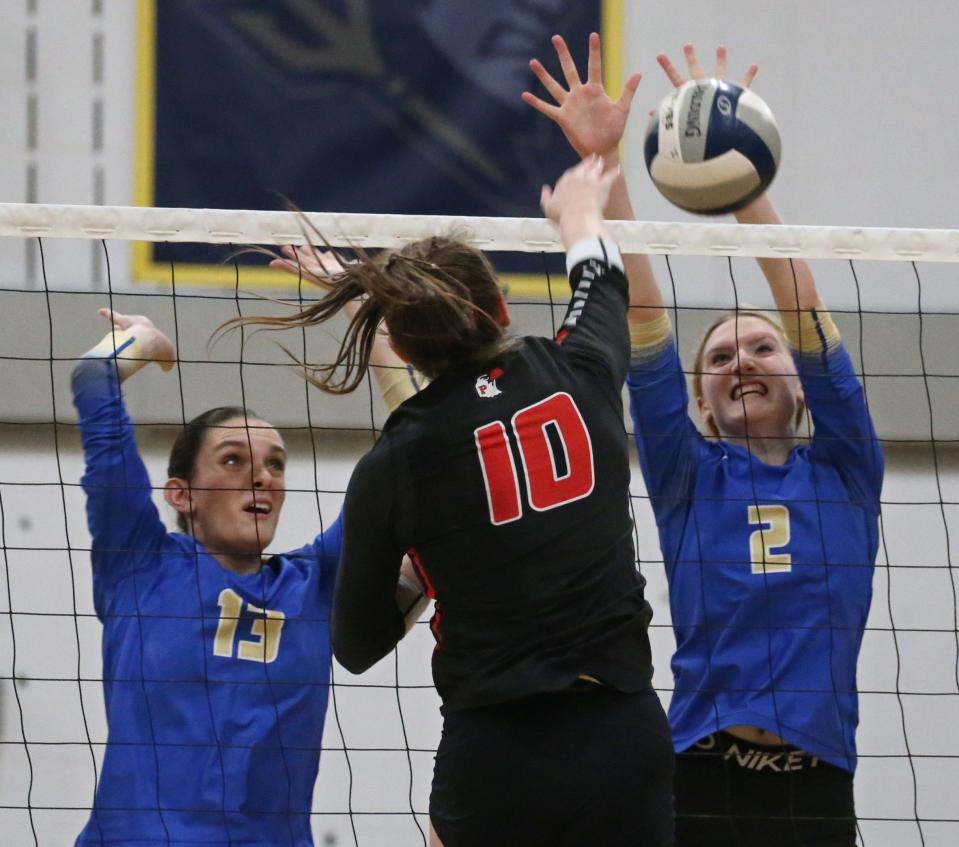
(508, 486)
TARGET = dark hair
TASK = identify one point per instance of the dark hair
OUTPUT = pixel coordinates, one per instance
(188, 442)
(439, 297)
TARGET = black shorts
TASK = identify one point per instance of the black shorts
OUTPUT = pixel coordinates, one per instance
(730, 793)
(588, 766)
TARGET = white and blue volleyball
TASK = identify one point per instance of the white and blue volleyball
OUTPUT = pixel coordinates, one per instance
(712, 147)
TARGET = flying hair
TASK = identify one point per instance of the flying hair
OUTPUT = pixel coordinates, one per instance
(439, 297)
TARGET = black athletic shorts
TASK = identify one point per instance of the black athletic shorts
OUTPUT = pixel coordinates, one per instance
(587, 766)
(731, 793)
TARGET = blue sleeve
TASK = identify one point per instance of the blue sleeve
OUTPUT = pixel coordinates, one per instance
(124, 523)
(594, 333)
(844, 433)
(667, 441)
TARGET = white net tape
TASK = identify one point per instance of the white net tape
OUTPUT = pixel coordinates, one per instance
(225, 226)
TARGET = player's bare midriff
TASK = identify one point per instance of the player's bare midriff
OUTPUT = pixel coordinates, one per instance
(755, 735)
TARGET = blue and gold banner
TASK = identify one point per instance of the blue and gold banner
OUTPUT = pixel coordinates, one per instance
(389, 106)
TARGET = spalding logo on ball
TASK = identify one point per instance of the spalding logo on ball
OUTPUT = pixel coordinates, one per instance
(713, 146)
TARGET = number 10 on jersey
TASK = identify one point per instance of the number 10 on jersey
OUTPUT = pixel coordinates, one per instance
(556, 454)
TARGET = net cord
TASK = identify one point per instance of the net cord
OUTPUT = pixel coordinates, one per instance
(227, 226)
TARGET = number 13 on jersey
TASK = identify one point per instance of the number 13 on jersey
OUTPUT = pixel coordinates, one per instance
(556, 454)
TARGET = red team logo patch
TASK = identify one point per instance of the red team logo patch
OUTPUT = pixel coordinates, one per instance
(486, 384)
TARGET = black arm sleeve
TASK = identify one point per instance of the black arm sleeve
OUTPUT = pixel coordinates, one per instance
(594, 332)
(366, 623)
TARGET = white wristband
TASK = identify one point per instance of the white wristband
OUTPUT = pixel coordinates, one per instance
(594, 247)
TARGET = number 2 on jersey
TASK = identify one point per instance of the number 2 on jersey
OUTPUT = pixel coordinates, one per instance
(557, 469)
(773, 532)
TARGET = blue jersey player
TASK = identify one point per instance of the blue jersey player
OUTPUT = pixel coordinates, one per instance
(769, 543)
(216, 657)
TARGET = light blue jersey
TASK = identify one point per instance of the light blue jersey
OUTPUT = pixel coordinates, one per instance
(216, 684)
(770, 568)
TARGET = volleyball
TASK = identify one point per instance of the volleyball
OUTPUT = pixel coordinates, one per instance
(712, 146)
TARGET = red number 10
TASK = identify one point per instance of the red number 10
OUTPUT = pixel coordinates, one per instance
(546, 488)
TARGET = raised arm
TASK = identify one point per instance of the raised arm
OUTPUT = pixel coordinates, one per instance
(576, 203)
(835, 396)
(790, 281)
(122, 518)
(397, 380)
(594, 125)
(132, 343)
(594, 331)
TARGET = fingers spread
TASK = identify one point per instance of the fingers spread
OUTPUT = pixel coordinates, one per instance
(329, 261)
(566, 62)
(626, 98)
(675, 77)
(750, 75)
(556, 91)
(285, 264)
(594, 68)
(721, 62)
(695, 70)
(542, 106)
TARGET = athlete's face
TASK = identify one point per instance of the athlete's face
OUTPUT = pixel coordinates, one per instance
(749, 381)
(238, 487)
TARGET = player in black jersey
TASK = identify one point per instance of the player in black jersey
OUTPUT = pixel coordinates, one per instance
(506, 481)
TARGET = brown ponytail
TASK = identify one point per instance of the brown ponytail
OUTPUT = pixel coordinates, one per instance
(438, 296)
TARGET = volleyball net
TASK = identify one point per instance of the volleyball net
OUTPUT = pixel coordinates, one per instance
(893, 293)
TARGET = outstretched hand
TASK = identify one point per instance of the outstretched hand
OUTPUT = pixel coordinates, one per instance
(791, 281)
(576, 202)
(151, 344)
(696, 70)
(316, 265)
(592, 122)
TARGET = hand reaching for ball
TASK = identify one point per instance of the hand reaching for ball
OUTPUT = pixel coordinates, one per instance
(713, 146)
(695, 69)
